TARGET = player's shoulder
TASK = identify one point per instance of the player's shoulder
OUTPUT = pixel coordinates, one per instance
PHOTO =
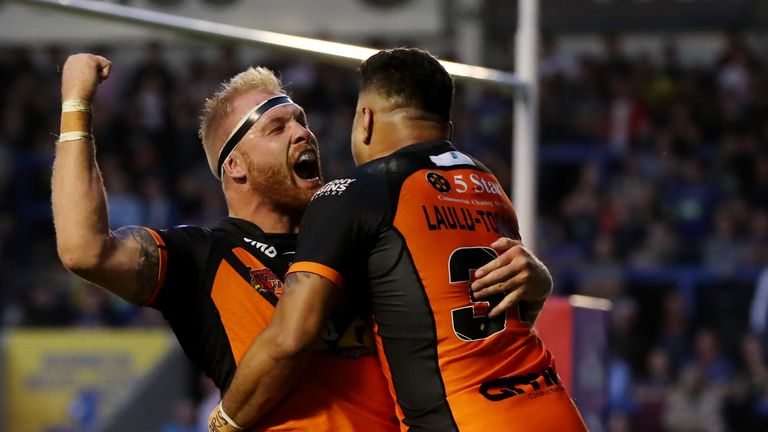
(188, 235)
(452, 158)
(441, 155)
(190, 230)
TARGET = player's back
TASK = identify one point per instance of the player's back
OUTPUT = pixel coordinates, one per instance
(412, 228)
(448, 210)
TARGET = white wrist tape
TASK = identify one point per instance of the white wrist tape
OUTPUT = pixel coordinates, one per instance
(75, 105)
(228, 418)
(74, 136)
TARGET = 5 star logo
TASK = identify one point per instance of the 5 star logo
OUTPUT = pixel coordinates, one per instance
(438, 182)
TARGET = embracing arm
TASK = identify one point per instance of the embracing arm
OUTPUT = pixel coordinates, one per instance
(519, 275)
(278, 355)
(124, 261)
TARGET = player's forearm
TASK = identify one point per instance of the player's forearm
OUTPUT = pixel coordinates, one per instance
(275, 359)
(529, 311)
(263, 377)
(542, 285)
(78, 200)
(541, 281)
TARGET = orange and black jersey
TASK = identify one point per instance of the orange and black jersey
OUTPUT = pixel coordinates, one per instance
(410, 229)
(218, 289)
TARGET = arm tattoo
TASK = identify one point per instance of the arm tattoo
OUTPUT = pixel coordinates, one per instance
(293, 279)
(217, 423)
(148, 263)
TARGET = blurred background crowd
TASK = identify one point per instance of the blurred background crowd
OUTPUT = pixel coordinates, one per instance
(653, 193)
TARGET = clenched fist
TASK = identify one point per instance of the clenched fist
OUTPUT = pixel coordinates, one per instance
(81, 74)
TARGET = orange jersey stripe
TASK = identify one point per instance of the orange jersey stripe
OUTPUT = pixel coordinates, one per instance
(244, 314)
(162, 265)
(318, 269)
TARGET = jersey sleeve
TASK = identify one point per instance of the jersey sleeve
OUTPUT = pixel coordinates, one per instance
(183, 252)
(339, 228)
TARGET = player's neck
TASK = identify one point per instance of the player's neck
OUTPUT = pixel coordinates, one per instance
(399, 134)
(266, 217)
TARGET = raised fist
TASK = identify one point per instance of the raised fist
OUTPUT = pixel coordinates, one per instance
(81, 74)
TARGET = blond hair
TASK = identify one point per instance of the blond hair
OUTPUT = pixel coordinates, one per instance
(220, 105)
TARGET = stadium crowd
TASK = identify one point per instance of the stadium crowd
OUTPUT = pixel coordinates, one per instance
(653, 193)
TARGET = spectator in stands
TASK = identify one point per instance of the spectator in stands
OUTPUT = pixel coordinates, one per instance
(726, 251)
(694, 404)
(96, 310)
(659, 247)
(624, 317)
(603, 276)
(46, 305)
(716, 368)
(756, 253)
(675, 328)
(747, 397)
(690, 199)
(651, 391)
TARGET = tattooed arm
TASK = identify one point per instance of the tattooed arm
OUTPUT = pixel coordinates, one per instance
(277, 356)
(125, 261)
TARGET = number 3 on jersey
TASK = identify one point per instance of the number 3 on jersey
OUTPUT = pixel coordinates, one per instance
(471, 323)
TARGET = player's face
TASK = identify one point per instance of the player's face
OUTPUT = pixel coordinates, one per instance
(281, 154)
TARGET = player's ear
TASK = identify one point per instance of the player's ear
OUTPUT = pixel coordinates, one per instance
(235, 167)
(367, 125)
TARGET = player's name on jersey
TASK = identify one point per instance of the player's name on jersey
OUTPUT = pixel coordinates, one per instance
(447, 217)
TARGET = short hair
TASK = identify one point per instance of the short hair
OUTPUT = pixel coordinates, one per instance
(218, 106)
(410, 78)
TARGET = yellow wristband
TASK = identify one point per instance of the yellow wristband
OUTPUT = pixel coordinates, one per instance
(73, 121)
(74, 136)
(72, 105)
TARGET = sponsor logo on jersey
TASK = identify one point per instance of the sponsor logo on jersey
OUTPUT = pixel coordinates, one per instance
(334, 187)
(477, 183)
(438, 182)
(452, 158)
(265, 282)
(264, 248)
(354, 342)
(535, 385)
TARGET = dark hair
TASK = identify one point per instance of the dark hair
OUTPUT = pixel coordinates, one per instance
(411, 77)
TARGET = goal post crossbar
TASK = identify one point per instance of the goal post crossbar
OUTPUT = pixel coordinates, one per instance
(340, 53)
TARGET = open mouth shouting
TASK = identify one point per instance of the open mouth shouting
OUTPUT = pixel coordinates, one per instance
(306, 166)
